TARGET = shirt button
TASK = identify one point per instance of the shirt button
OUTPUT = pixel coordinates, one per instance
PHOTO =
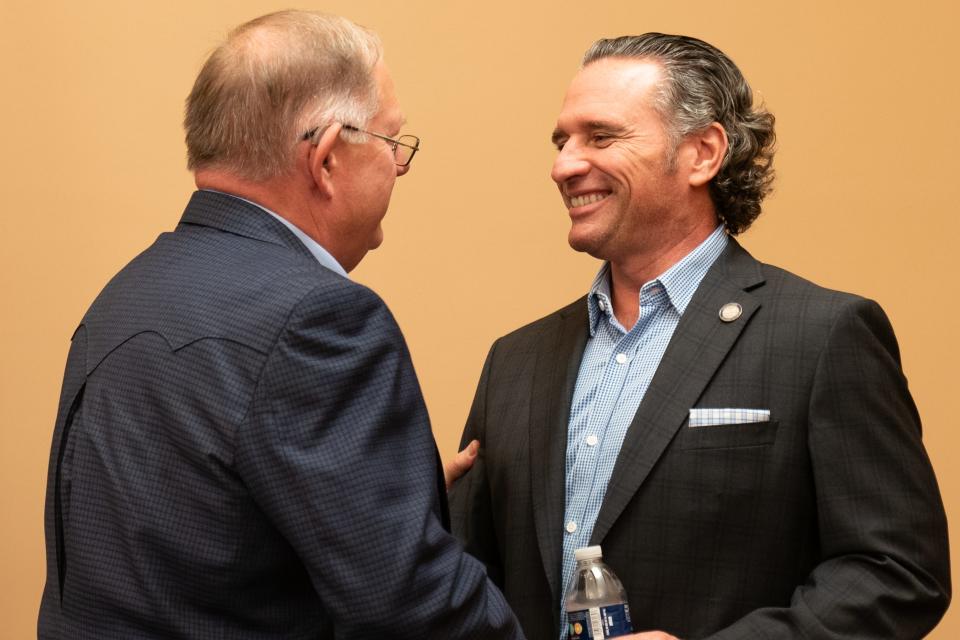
(592, 440)
(621, 358)
(602, 305)
(571, 526)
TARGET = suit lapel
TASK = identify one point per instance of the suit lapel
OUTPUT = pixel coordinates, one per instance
(699, 345)
(558, 362)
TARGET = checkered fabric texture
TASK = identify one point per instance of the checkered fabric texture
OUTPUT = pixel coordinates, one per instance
(242, 451)
(716, 417)
(825, 522)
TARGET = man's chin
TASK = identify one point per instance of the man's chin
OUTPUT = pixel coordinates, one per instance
(584, 244)
(376, 239)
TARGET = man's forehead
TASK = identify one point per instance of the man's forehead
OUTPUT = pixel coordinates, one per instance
(615, 80)
(390, 113)
(393, 119)
(608, 93)
(596, 112)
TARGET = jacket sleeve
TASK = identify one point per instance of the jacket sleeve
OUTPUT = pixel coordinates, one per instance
(884, 569)
(338, 453)
(470, 504)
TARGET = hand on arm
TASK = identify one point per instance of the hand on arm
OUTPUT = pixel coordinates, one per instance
(470, 506)
(461, 463)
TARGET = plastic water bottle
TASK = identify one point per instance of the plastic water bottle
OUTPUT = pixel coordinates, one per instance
(596, 601)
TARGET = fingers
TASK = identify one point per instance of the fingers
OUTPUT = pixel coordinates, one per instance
(461, 463)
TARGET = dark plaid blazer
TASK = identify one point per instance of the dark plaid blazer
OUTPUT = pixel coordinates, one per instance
(242, 451)
(825, 522)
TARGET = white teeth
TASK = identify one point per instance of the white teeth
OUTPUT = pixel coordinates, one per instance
(579, 201)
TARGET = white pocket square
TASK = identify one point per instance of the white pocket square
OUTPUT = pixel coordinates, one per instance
(713, 417)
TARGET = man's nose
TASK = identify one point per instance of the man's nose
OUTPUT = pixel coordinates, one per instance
(402, 170)
(570, 163)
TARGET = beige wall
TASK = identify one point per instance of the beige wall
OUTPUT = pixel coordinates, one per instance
(92, 170)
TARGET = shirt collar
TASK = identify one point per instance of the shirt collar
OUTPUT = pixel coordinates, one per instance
(322, 255)
(679, 282)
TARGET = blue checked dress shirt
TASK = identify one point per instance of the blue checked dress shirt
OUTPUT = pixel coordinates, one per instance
(616, 370)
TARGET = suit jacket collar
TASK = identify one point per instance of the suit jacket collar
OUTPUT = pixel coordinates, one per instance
(699, 344)
(234, 215)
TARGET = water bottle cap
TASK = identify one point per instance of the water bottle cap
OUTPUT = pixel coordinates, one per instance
(588, 553)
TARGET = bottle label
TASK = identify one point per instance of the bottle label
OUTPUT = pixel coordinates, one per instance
(597, 623)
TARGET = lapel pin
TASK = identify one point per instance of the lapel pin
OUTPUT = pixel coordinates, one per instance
(730, 312)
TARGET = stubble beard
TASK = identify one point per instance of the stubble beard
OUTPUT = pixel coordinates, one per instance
(597, 244)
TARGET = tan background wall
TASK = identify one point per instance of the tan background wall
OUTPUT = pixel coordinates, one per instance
(91, 170)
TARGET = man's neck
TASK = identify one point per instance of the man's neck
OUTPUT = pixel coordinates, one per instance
(278, 195)
(270, 193)
(628, 275)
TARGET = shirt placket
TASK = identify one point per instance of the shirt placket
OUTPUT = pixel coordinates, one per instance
(592, 450)
(597, 445)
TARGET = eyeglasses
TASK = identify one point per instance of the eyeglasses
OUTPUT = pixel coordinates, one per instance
(404, 147)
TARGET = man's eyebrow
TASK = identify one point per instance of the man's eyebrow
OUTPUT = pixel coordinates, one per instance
(590, 127)
(609, 127)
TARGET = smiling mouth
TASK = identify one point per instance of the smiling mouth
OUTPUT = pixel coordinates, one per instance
(587, 198)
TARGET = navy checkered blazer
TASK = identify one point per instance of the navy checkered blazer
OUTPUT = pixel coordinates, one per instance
(242, 451)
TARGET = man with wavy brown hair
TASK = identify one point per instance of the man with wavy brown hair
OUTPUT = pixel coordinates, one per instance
(740, 441)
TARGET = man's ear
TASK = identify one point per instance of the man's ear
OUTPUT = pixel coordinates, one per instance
(322, 158)
(709, 148)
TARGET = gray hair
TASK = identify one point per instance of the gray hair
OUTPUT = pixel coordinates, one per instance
(702, 86)
(273, 79)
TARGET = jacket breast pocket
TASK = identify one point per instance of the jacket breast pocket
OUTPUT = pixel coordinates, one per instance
(728, 436)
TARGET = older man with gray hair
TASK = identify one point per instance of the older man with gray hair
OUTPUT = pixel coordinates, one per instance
(242, 449)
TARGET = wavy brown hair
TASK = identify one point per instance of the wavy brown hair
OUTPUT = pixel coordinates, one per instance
(702, 86)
